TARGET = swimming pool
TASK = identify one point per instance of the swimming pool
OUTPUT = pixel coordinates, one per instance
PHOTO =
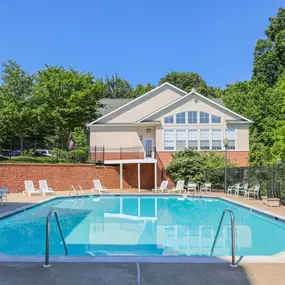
(141, 226)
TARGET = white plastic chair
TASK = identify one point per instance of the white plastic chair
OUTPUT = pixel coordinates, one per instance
(44, 188)
(242, 189)
(191, 186)
(232, 189)
(179, 186)
(162, 187)
(99, 187)
(30, 189)
(254, 191)
(206, 187)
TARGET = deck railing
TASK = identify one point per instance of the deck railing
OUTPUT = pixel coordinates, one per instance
(101, 154)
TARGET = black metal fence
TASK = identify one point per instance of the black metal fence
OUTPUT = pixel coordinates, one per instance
(270, 178)
(102, 154)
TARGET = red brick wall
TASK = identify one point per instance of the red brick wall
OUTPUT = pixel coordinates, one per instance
(238, 157)
(61, 176)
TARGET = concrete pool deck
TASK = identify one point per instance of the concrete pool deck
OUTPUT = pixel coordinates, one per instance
(141, 274)
(16, 200)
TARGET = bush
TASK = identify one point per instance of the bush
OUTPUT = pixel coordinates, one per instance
(79, 155)
(22, 158)
(192, 166)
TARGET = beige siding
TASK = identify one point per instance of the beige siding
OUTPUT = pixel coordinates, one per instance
(145, 108)
(116, 137)
(242, 132)
(197, 105)
(242, 143)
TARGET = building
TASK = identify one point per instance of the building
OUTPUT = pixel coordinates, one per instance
(150, 128)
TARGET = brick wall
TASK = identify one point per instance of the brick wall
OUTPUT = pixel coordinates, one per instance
(61, 176)
(240, 158)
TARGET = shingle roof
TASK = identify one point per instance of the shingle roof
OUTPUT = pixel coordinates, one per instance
(219, 101)
(110, 104)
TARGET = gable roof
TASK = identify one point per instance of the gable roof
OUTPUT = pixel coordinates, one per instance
(193, 91)
(139, 98)
(111, 104)
(219, 101)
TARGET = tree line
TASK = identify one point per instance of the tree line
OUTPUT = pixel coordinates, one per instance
(56, 103)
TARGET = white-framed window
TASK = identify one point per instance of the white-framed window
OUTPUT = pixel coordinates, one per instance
(192, 117)
(193, 139)
(216, 119)
(216, 139)
(231, 136)
(204, 118)
(169, 139)
(204, 139)
(180, 118)
(180, 139)
(169, 120)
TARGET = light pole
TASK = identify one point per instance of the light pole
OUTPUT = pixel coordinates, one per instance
(280, 162)
(226, 143)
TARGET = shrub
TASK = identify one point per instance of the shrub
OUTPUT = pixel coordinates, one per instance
(192, 166)
(79, 155)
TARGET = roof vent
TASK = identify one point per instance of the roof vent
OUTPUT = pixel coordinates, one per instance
(193, 90)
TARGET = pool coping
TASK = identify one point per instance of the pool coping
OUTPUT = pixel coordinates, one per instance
(277, 258)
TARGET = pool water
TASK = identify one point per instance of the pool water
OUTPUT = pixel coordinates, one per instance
(140, 226)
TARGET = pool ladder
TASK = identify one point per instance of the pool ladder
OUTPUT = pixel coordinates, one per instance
(233, 264)
(47, 264)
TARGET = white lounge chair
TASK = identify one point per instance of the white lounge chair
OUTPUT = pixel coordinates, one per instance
(191, 186)
(179, 187)
(254, 191)
(162, 187)
(99, 187)
(206, 187)
(45, 189)
(30, 189)
(232, 189)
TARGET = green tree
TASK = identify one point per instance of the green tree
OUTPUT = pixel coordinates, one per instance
(116, 87)
(65, 99)
(269, 54)
(15, 113)
(141, 89)
(188, 80)
(184, 80)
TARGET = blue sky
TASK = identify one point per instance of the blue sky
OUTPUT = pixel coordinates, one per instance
(141, 40)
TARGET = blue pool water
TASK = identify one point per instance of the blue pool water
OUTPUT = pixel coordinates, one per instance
(141, 226)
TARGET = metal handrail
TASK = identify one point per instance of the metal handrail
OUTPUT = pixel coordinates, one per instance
(233, 264)
(47, 264)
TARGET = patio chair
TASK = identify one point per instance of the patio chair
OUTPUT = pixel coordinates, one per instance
(45, 189)
(179, 187)
(206, 187)
(254, 191)
(99, 187)
(3, 194)
(191, 186)
(242, 189)
(232, 189)
(162, 187)
(30, 189)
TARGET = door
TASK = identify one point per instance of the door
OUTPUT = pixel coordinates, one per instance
(148, 148)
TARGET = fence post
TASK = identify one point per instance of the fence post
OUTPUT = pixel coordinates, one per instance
(103, 154)
(259, 180)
